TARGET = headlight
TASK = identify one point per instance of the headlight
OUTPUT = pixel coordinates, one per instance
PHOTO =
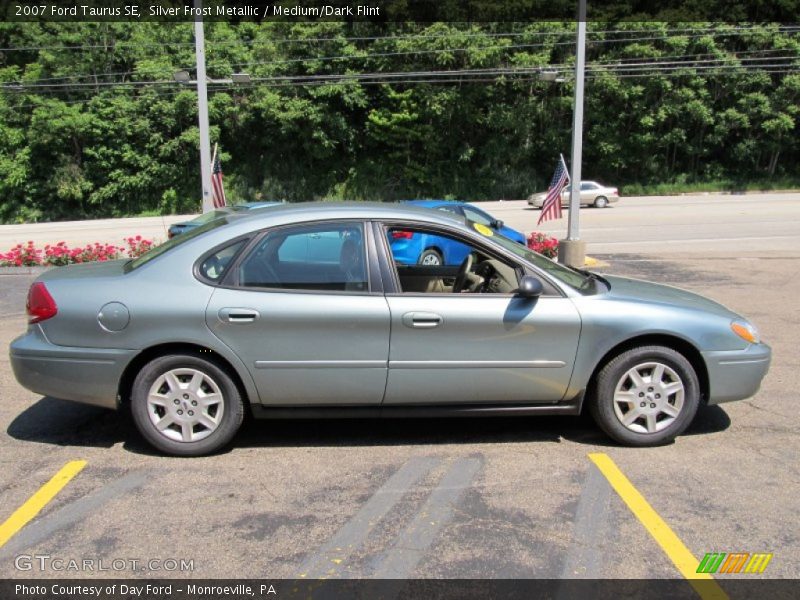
(746, 331)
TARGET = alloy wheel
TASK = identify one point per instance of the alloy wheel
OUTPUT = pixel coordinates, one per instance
(649, 397)
(185, 405)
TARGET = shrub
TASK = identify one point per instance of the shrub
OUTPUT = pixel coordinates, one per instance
(137, 246)
(21, 256)
(543, 244)
(60, 254)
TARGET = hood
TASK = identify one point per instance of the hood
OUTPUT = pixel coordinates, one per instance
(637, 290)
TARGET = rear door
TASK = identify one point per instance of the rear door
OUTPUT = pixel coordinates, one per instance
(306, 316)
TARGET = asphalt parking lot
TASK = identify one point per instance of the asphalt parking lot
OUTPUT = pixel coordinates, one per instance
(443, 498)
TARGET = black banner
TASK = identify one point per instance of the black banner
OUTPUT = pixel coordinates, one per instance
(413, 589)
(730, 11)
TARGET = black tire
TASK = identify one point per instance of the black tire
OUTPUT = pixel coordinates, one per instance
(231, 405)
(430, 255)
(614, 373)
(600, 202)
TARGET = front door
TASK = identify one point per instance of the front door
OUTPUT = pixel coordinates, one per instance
(474, 341)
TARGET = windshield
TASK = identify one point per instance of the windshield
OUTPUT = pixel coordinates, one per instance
(174, 242)
(571, 277)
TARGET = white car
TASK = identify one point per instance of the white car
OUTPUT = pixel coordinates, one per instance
(592, 194)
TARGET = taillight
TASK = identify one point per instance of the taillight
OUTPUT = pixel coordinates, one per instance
(402, 235)
(40, 303)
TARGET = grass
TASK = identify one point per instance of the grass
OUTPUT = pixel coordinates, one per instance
(671, 189)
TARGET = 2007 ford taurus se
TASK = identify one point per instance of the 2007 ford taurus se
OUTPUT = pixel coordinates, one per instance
(302, 311)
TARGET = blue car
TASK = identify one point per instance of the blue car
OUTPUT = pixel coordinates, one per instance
(426, 249)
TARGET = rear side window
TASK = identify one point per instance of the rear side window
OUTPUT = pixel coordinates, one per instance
(216, 265)
(319, 257)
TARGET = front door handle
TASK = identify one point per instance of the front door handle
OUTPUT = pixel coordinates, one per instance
(422, 320)
(238, 315)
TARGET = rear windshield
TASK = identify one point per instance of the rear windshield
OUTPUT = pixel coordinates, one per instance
(174, 243)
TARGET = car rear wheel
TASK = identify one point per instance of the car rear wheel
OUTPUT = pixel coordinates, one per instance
(185, 405)
(600, 202)
(430, 257)
(646, 396)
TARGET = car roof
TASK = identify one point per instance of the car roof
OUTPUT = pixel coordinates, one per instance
(432, 203)
(312, 211)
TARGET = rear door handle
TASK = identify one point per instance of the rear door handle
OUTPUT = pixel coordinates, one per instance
(422, 320)
(238, 315)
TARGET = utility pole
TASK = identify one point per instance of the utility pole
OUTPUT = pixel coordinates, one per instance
(572, 251)
(202, 107)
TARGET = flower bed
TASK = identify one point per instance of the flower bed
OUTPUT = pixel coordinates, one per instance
(543, 244)
(28, 255)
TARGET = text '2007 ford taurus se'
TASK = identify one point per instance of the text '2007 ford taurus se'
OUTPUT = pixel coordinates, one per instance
(303, 311)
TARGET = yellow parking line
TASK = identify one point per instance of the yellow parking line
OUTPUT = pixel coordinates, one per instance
(673, 547)
(39, 500)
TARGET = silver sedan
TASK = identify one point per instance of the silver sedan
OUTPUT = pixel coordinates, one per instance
(592, 194)
(303, 311)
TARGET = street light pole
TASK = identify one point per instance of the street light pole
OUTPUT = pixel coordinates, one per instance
(202, 107)
(572, 251)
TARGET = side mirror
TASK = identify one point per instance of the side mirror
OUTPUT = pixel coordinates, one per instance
(497, 224)
(530, 287)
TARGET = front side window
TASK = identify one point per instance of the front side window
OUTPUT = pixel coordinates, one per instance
(428, 261)
(317, 257)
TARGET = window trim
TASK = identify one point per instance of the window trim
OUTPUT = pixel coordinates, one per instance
(231, 280)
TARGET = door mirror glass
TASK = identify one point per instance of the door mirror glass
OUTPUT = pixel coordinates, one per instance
(497, 224)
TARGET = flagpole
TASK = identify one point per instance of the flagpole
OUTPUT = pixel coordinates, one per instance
(202, 107)
(572, 250)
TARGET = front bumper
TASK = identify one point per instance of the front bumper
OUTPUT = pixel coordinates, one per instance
(736, 375)
(87, 375)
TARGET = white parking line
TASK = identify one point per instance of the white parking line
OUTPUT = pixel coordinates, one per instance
(327, 561)
(414, 542)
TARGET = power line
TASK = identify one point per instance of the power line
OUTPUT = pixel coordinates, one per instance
(732, 55)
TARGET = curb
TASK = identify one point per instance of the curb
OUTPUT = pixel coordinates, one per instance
(24, 270)
(590, 261)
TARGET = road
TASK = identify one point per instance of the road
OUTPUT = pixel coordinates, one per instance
(715, 224)
(439, 498)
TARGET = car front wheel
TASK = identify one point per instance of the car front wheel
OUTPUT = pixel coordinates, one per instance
(186, 405)
(646, 396)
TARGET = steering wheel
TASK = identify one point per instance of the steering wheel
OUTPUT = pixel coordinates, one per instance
(461, 278)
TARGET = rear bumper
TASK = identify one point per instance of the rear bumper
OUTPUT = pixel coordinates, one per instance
(736, 375)
(86, 375)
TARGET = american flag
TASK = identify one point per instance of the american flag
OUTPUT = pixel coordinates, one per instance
(551, 208)
(218, 190)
